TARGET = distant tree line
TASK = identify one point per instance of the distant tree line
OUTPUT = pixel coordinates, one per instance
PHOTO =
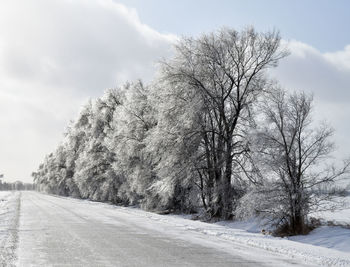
(18, 185)
(211, 132)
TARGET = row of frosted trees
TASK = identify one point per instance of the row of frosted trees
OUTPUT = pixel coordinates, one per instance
(210, 133)
(18, 185)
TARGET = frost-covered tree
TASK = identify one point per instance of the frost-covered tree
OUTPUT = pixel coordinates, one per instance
(47, 176)
(81, 165)
(93, 167)
(293, 151)
(132, 122)
(227, 71)
(174, 147)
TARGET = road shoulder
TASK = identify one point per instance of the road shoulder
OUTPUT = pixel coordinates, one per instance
(10, 203)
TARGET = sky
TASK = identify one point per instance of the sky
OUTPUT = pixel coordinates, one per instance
(57, 54)
(319, 23)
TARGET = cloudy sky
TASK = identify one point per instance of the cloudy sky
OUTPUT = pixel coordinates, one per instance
(56, 54)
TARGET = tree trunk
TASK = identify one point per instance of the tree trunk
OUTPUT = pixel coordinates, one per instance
(227, 188)
(210, 172)
(298, 223)
(219, 199)
(298, 219)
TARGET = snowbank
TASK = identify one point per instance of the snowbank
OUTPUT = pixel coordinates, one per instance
(334, 237)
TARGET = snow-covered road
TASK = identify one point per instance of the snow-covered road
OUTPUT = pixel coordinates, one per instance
(57, 231)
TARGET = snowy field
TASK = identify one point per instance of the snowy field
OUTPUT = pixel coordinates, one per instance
(9, 207)
(340, 216)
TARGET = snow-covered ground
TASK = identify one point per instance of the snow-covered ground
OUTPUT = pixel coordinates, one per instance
(9, 216)
(333, 237)
(335, 232)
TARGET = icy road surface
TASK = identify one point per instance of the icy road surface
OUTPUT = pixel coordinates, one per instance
(57, 231)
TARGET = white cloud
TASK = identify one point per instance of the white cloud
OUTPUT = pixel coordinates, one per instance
(340, 59)
(53, 56)
(327, 76)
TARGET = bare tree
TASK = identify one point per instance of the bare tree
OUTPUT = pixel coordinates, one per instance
(226, 69)
(292, 148)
